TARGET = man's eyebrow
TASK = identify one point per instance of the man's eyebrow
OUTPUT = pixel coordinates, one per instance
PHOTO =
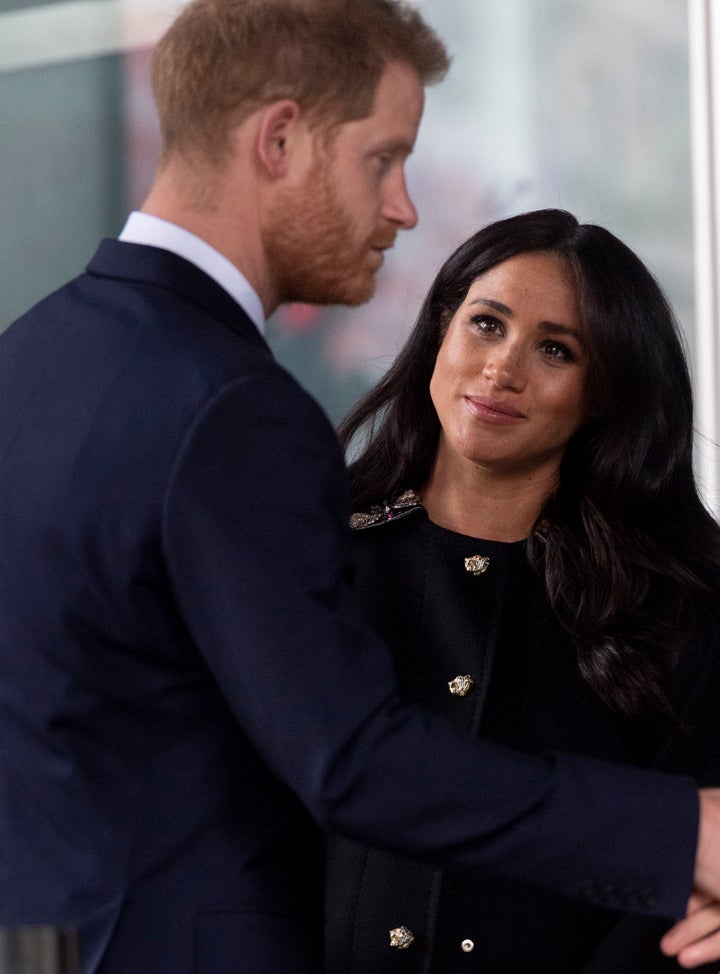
(399, 146)
(552, 327)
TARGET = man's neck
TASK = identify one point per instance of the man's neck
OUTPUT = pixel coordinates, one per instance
(153, 231)
(207, 204)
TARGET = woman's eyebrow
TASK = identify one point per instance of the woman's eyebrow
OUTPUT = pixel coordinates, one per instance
(497, 305)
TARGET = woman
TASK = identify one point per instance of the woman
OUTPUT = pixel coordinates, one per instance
(532, 547)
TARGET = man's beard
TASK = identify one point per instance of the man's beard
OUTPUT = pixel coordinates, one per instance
(313, 254)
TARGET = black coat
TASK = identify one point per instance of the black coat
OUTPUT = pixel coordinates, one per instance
(443, 621)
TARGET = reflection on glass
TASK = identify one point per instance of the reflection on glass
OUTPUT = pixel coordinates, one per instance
(38, 950)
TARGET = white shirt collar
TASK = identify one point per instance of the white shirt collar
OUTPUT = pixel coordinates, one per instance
(142, 228)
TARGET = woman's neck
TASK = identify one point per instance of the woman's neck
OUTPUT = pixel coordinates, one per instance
(484, 504)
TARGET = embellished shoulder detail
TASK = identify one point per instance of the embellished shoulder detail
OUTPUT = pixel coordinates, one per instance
(397, 506)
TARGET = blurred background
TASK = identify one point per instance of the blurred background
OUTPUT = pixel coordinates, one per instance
(602, 107)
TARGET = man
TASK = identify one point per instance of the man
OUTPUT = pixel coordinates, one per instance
(186, 690)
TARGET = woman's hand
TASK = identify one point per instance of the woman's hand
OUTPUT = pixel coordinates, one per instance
(696, 939)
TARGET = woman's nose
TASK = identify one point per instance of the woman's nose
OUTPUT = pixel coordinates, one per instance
(505, 369)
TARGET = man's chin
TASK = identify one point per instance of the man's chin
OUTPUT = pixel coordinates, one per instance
(356, 291)
(349, 293)
(359, 297)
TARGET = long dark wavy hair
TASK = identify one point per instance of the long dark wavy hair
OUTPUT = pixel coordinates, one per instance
(627, 548)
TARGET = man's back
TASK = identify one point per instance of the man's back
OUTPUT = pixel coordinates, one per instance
(130, 788)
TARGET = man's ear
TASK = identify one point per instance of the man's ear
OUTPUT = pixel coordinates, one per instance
(278, 127)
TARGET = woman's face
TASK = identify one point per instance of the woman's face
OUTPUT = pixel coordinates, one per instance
(509, 379)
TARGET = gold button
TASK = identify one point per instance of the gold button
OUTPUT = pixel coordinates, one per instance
(477, 564)
(401, 938)
(467, 946)
(461, 685)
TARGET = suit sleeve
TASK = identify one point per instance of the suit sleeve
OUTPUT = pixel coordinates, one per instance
(258, 552)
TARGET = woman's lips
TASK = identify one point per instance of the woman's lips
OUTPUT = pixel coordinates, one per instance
(494, 410)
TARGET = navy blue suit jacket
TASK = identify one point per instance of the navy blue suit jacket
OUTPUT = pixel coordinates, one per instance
(186, 688)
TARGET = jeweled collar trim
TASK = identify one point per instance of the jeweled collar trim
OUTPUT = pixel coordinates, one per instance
(397, 506)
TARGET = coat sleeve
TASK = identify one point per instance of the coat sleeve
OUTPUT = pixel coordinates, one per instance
(258, 552)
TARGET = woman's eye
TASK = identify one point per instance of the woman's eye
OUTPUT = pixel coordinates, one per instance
(558, 351)
(486, 324)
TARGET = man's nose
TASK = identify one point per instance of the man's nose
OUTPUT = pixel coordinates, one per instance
(399, 207)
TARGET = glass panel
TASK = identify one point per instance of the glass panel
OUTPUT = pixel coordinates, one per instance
(8, 5)
(549, 103)
(61, 174)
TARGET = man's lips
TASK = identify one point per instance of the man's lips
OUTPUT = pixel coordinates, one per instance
(383, 243)
(493, 410)
(379, 250)
(378, 247)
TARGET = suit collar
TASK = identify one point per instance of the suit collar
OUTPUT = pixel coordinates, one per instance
(153, 231)
(151, 265)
